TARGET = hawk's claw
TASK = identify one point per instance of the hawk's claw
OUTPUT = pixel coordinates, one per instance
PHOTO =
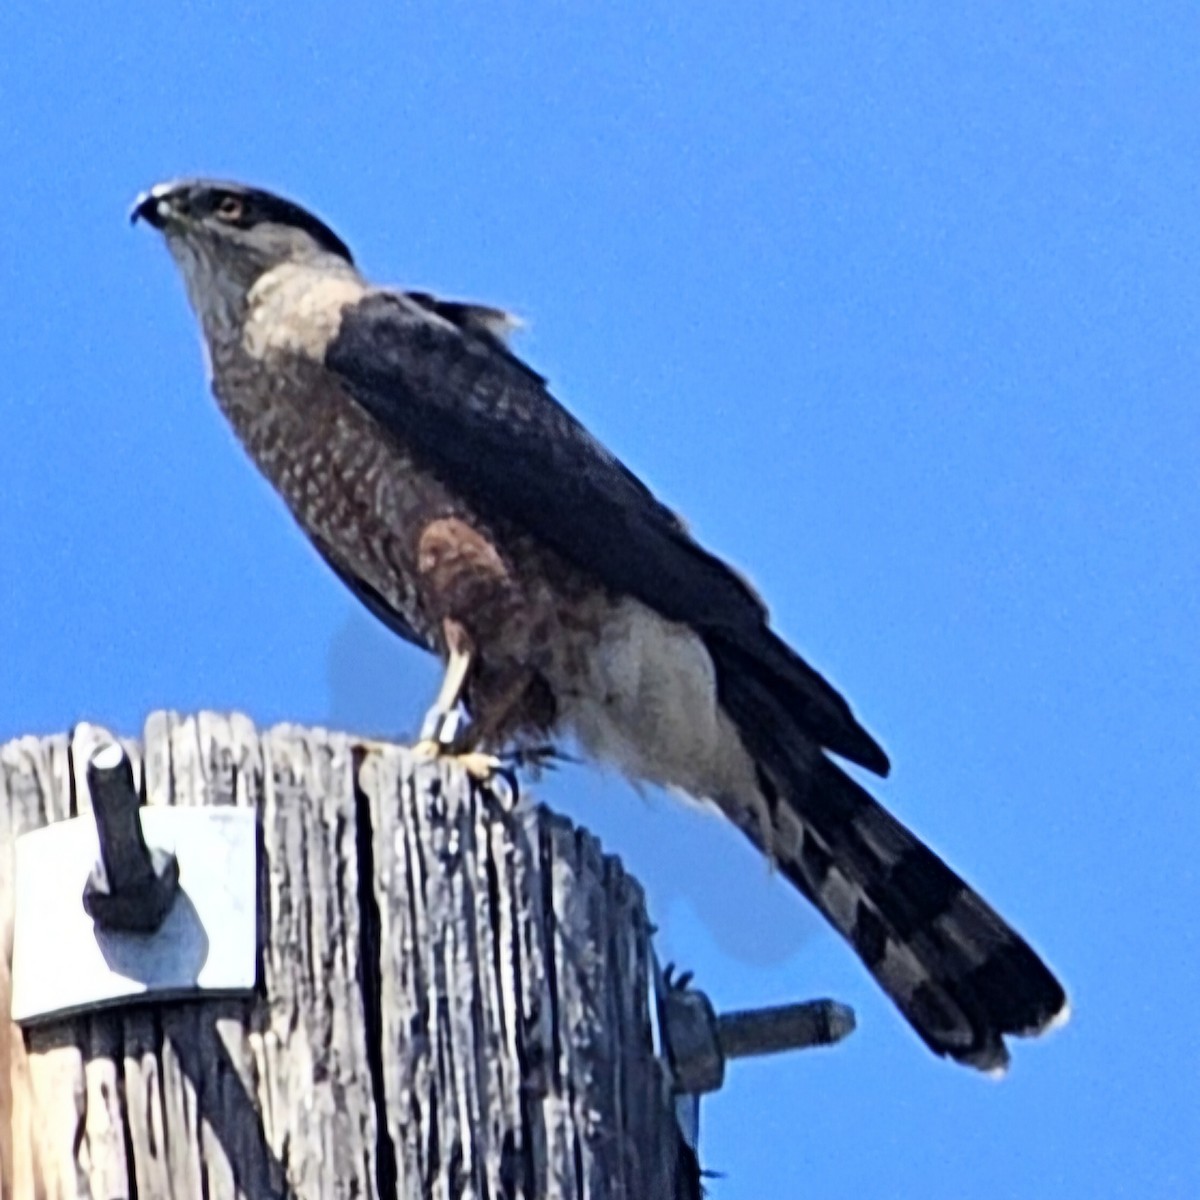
(679, 984)
(485, 769)
(478, 765)
(536, 758)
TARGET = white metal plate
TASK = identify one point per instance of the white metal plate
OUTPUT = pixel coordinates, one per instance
(62, 963)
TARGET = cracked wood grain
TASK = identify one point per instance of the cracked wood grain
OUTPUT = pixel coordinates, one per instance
(452, 999)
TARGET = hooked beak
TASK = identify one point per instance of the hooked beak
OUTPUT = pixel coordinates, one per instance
(155, 207)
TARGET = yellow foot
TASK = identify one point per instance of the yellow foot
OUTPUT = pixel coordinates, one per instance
(427, 749)
(481, 767)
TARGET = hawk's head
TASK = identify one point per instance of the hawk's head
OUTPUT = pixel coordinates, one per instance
(224, 236)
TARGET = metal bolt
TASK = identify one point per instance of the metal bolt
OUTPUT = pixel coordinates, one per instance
(132, 887)
(698, 1042)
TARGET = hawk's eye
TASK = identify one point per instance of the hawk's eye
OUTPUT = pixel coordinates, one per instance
(230, 208)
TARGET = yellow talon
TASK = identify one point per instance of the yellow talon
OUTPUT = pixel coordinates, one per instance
(480, 766)
(429, 749)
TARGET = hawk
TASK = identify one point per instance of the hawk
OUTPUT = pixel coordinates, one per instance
(473, 515)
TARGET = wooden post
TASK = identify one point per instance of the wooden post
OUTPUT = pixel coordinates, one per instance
(452, 1000)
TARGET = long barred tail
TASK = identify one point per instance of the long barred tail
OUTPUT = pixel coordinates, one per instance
(957, 971)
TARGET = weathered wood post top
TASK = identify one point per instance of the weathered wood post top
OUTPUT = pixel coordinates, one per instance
(452, 998)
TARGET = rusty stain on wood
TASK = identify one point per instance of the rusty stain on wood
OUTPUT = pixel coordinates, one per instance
(452, 997)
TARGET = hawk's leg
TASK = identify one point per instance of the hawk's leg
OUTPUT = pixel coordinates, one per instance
(441, 736)
(503, 700)
(440, 726)
(487, 729)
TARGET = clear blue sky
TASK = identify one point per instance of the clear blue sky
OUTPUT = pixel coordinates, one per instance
(898, 305)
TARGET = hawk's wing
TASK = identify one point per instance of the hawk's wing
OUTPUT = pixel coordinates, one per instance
(485, 424)
(458, 400)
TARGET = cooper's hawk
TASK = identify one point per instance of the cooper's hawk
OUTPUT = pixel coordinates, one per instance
(473, 515)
